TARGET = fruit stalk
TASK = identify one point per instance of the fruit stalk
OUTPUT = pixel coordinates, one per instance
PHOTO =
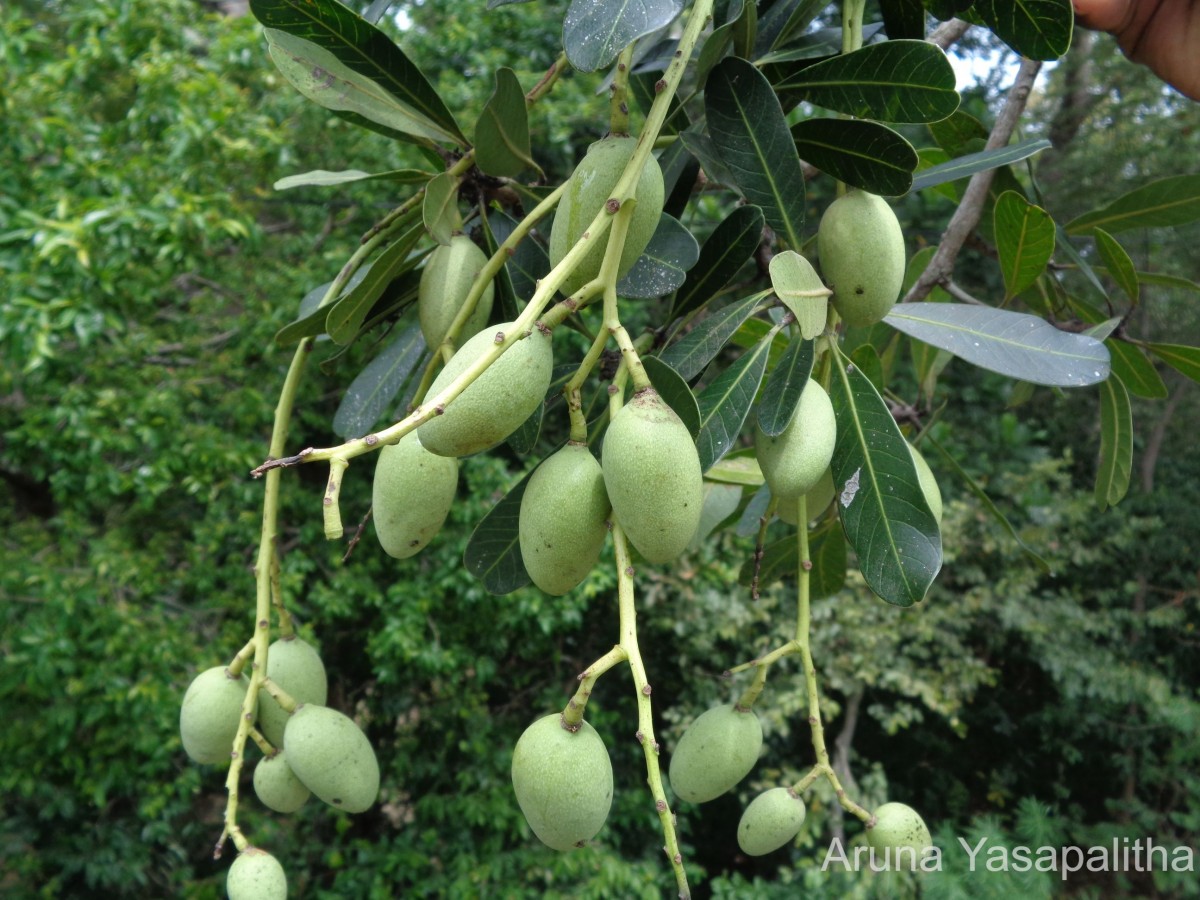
(572, 390)
(332, 512)
(573, 715)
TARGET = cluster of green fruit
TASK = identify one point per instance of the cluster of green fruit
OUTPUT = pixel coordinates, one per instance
(314, 749)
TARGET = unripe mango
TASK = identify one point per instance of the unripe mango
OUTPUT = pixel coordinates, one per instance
(498, 402)
(445, 282)
(929, 485)
(772, 819)
(899, 837)
(816, 501)
(563, 781)
(256, 875)
(332, 757)
(794, 460)
(411, 495)
(716, 752)
(296, 667)
(861, 248)
(209, 716)
(562, 524)
(652, 474)
(588, 189)
(277, 786)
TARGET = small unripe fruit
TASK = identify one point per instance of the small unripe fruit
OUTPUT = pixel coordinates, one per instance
(716, 752)
(411, 495)
(445, 282)
(794, 460)
(588, 190)
(562, 524)
(929, 485)
(563, 781)
(332, 758)
(652, 474)
(296, 667)
(209, 716)
(899, 837)
(256, 875)
(861, 248)
(277, 786)
(772, 819)
(816, 501)
(498, 402)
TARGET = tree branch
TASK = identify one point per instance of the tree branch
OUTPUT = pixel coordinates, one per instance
(948, 33)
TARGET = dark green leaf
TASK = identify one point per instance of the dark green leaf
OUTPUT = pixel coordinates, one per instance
(959, 133)
(439, 208)
(1037, 29)
(866, 359)
(502, 132)
(1161, 204)
(1024, 240)
(1014, 344)
(965, 166)
(725, 252)
(1137, 373)
(696, 349)
(675, 391)
(701, 146)
(1160, 279)
(713, 50)
(747, 126)
(752, 515)
(883, 510)
(493, 553)
(801, 290)
(903, 19)
(785, 384)
(1119, 265)
(781, 559)
(947, 9)
(348, 313)
(641, 87)
(506, 299)
(1085, 268)
(323, 178)
(595, 31)
(528, 264)
(663, 265)
(524, 440)
(863, 154)
(680, 170)
(1184, 360)
(896, 81)
(720, 501)
(784, 19)
(726, 402)
(1116, 444)
(376, 386)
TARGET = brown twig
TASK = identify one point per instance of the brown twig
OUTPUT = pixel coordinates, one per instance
(948, 33)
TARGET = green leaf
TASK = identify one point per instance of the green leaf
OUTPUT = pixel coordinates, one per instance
(863, 154)
(675, 391)
(1117, 261)
(801, 290)
(720, 501)
(311, 319)
(663, 265)
(866, 359)
(1014, 344)
(348, 313)
(1161, 204)
(968, 165)
(781, 559)
(1184, 360)
(376, 386)
(701, 146)
(528, 264)
(1160, 279)
(739, 467)
(1085, 268)
(439, 208)
(726, 402)
(903, 19)
(1137, 373)
(724, 253)
(323, 178)
(784, 386)
(524, 440)
(896, 81)
(595, 31)
(366, 50)
(696, 349)
(883, 510)
(1116, 444)
(493, 554)
(502, 132)
(506, 299)
(1024, 240)
(747, 126)
(1037, 29)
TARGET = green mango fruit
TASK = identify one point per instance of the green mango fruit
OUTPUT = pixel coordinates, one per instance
(652, 474)
(411, 495)
(588, 189)
(794, 460)
(816, 501)
(332, 758)
(445, 282)
(861, 248)
(563, 781)
(716, 752)
(929, 485)
(210, 713)
(772, 819)
(296, 667)
(277, 786)
(899, 836)
(562, 525)
(498, 402)
(256, 875)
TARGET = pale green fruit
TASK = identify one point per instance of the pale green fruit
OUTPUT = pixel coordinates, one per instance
(929, 485)
(816, 501)
(588, 190)
(772, 819)
(794, 460)
(716, 752)
(901, 834)
(498, 402)
(296, 667)
(861, 248)
(445, 281)
(563, 781)
(652, 474)
(256, 875)
(562, 524)
(411, 495)
(277, 785)
(332, 758)
(209, 716)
